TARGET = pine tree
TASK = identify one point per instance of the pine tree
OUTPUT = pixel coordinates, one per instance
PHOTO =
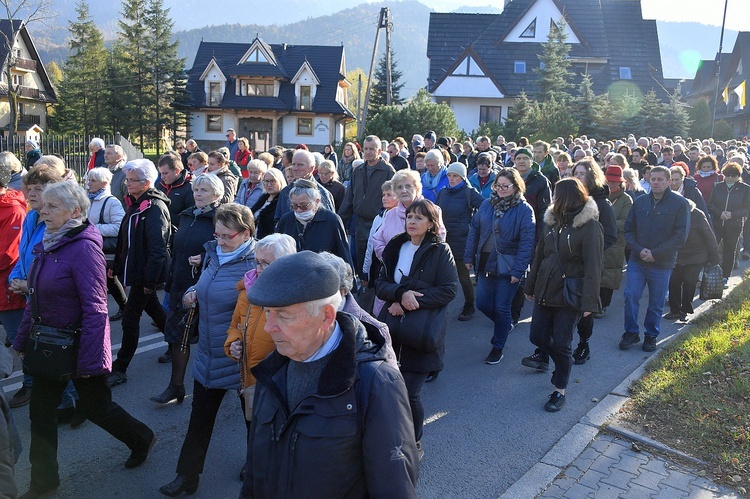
(378, 96)
(118, 92)
(653, 113)
(584, 108)
(80, 107)
(676, 117)
(554, 72)
(521, 118)
(133, 38)
(700, 114)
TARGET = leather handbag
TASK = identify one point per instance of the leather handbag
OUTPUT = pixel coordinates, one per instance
(712, 284)
(420, 329)
(109, 243)
(51, 352)
(504, 264)
(572, 286)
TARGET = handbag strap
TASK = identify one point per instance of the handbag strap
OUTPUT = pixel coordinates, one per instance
(104, 205)
(556, 240)
(32, 292)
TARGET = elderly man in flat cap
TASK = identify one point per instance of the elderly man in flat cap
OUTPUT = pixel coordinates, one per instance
(330, 417)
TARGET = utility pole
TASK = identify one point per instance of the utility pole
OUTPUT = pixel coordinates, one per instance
(718, 69)
(388, 79)
(359, 104)
(383, 19)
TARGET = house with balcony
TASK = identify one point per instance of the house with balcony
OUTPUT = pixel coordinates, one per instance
(28, 77)
(480, 63)
(273, 94)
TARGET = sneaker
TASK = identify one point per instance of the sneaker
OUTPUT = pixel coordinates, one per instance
(582, 353)
(21, 397)
(745, 255)
(672, 316)
(683, 317)
(495, 356)
(538, 361)
(116, 317)
(649, 343)
(555, 403)
(166, 357)
(116, 378)
(628, 340)
(466, 314)
(601, 313)
(432, 376)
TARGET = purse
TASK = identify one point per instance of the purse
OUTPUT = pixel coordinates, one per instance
(572, 286)
(712, 284)
(420, 329)
(189, 325)
(51, 352)
(503, 264)
(248, 393)
(109, 243)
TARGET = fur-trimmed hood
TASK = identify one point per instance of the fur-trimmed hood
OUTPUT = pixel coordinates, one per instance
(588, 211)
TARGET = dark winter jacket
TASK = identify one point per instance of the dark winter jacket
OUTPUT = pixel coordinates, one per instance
(661, 226)
(338, 191)
(614, 256)
(458, 204)
(72, 294)
(12, 213)
(350, 439)
(690, 191)
(538, 194)
(180, 193)
(217, 294)
(513, 234)
(606, 215)
(364, 195)
(230, 181)
(197, 231)
(142, 244)
(701, 246)
(735, 200)
(399, 163)
(581, 248)
(283, 206)
(264, 222)
(325, 232)
(32, 157)
(433, 273)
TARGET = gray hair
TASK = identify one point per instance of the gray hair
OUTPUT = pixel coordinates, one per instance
(215, 182)
(344, 270)
(70, 195)
(329, 167)
(309, 158)
(118, 150)
(435, 155)
(278, 244)
(10, 161)
(319, 158)
(303, 187)
(96, 141)
(259, 164)
(144, 168)
(100, 175)
(278, 175)
(314, 307)
(225, 152)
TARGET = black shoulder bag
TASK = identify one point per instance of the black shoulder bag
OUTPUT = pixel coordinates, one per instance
(109, 243)
(51, 352)
(572, 286)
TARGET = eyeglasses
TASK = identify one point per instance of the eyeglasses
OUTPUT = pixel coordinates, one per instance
(271, 181)
(134, 180)
(225, 237)
(503, 187)
(261, 265)
(731, 175)
(302, 207)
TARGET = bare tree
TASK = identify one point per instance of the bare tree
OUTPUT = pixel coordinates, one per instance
(19, 13)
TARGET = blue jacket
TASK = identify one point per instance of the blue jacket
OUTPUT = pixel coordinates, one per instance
(661, 226)
(513, 234)
(485, 191)
(431, 194)
(32, 232)
(458, 204)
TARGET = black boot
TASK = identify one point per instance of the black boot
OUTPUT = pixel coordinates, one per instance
(582, 353)
(179, 485)
(172, 392)
(467, 313)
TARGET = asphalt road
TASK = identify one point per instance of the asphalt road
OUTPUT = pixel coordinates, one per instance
(485, 425)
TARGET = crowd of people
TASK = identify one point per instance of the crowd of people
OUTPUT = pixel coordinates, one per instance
(316, 286)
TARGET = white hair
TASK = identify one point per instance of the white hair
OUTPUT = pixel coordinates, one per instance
(215, 182)
(144, 168)
(343, 269)
(100, 175)
(435, 155)
(70, 195)
(278, 244)
(314, 307)
(96, 141)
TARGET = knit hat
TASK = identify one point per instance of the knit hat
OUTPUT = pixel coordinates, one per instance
(457, 168)
(292, 279)
(525, 152)
(442, 141)
(431, 136)
(417, 141)
(33, 143)
(5, 175)
(614, 174)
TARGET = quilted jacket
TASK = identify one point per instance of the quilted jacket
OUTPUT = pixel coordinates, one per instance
(71, 295)
(12, 213)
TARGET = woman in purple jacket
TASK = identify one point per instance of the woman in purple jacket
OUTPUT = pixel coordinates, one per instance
(73, 295)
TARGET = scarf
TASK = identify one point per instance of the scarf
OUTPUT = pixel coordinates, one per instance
(51, 238)
(250, 277)
(205, 209)
(348, 159)
(93, 195)
(705, 174)
(431, 182)
(502, 205)
(456, 187)
(227, 257)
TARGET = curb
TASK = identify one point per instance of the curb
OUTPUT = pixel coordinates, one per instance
(572, 444)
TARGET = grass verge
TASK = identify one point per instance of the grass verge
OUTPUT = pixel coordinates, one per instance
(695, 397)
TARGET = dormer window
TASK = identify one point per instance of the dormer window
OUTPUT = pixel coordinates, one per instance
(259, 90)
(214, 93)
(305, 97)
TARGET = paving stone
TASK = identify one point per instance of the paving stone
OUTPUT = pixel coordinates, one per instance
(573, 472)
(601, 442)
(635, 491)
(579, 491)
(667, 492)
(552, 492)
(630, 464)
(616, 449)
(589, 453)
(649, 479)
(641, 456)
(564, 484)
(679, 480)
(705, 484)
(656, 465)
(603, 464)
(619, 478)
(591, 479)
(584, 463)
(606, 491)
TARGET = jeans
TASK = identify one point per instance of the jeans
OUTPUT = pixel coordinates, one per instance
(11, 320)
(96, 402)
(682, 285)
(657, 280)
(137, 303)
(494, 298)
(414, 383)
(206, 403)
(730, 236)
(552, 332)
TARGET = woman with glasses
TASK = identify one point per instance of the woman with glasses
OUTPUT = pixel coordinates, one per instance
(264, 209)
(729, 204)
(313, 227)
(226, 262)
(251, 188)
(329, 178)
(500, 246)
(187, 255)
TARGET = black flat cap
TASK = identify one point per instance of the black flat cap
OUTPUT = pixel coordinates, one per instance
(292, 279)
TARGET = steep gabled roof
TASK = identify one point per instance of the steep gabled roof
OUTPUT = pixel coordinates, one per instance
(48, 92)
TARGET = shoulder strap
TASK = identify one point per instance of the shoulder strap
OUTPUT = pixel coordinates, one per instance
(32, 291)
(104, 205)
(366, 371)
(556, 239)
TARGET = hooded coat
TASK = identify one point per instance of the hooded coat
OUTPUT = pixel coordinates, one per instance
(72, 295)
(614, 255)
(358, 418)
(701, 246)
(581, 248)
(12, 213)
(458, 204)
(32, 232)
(180, 194)
(485, 191)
